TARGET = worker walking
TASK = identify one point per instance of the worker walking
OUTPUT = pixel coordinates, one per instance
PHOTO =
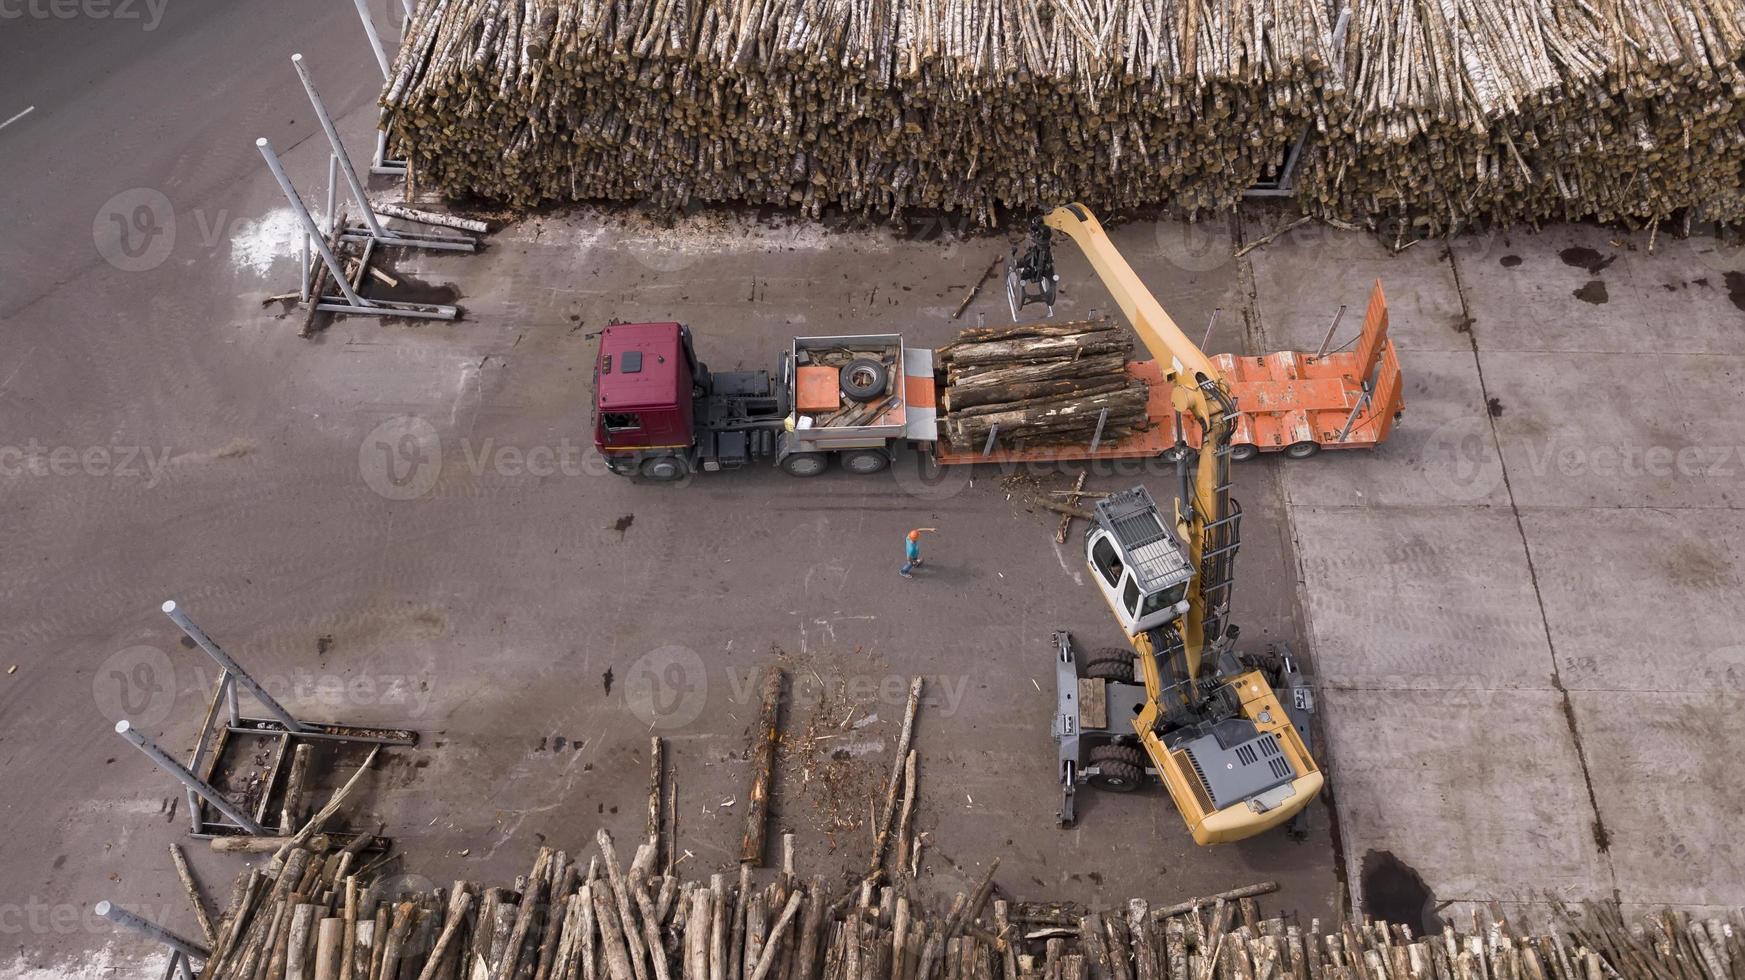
(912, 552)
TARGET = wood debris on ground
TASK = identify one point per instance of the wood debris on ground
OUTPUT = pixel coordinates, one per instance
(591, 917)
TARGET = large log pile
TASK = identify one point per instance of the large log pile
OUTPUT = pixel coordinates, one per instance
(1440, 113)
(594, 918)
(1465, 112)
(871, 106)
(1040, 383)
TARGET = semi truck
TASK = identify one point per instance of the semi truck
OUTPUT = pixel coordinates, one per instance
(858, 400)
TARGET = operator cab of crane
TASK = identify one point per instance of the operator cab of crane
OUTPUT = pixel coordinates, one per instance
(1138, 562)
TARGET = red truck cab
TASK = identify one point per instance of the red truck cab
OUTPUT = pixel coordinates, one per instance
(643, 380)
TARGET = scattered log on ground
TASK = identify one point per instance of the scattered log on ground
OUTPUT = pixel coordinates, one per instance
(763, 756)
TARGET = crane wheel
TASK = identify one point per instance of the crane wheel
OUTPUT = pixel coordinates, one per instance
(1242, 452)
(1109, 664)
(864, 379)
(1302, 450)
(1120, 768)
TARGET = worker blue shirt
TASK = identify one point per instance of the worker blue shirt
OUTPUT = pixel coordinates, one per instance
(911, 549)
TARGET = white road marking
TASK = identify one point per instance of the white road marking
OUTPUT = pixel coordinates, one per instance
(21, 115)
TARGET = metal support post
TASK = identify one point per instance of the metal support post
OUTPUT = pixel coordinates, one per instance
(234, 711)
(412, 8)
(993, 433)
(333, 266)
(1102, 420)
(363, 12)
(207, 792)
(151, 930)
(1322, 350)
(1209, 325)
(358, 194)
(237, 674)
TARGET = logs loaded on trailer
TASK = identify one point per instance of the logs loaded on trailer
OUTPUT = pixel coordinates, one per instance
(586, 916)
(1439, 115)
(1040, 383)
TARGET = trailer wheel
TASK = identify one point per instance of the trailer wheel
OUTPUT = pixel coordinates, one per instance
(865, 462)
(806, 464)
(1302, 450)
(864, 379)
(1242, 452)
(1121, 768)
(665, 469)
(1109, 664)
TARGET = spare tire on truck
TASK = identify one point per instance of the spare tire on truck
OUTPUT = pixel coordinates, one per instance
(864, 379)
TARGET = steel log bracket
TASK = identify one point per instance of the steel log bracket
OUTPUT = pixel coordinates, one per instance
(290, 733)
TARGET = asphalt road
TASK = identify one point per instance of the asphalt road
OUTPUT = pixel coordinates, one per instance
(164, 436)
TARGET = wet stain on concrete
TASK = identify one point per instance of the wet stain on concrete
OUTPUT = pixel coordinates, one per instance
(1510, 261)
(1395, 892)
(1494, 405)
(622, 524)
(606, 678)
(1594, 292)
(1736, 289)
(1582, 257)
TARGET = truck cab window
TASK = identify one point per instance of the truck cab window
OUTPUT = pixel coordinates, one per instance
(623, 421)
(630, 361)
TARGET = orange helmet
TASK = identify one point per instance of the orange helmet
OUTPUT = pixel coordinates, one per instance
(914, 535)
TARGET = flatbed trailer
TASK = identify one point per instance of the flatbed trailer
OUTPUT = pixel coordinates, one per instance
(660, 414)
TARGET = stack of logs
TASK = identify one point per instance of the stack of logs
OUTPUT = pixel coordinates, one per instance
(1041, 383)
(1441, 114)
(566, 920)
(869, 106)
(1472, 112)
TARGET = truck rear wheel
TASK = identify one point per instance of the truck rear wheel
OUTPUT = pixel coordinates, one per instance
(1302, 450)
(864, 379)
(806, 464)
(1120, 768)
(665, 469)
(865, 461)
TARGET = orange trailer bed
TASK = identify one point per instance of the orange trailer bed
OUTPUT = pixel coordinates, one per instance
(1341, 400)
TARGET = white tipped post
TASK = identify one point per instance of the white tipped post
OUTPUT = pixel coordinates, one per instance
(309, 226)
(151, 930)
(237, 674)
(207, 792)
(358, 194)
(363, 12)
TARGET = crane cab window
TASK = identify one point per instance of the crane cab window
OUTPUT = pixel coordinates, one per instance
(1107, 561)
(1159, 601)
(623, 421)
(1130, 597)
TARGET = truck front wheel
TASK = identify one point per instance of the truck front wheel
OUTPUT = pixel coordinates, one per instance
(665, 469)
(805, 464)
